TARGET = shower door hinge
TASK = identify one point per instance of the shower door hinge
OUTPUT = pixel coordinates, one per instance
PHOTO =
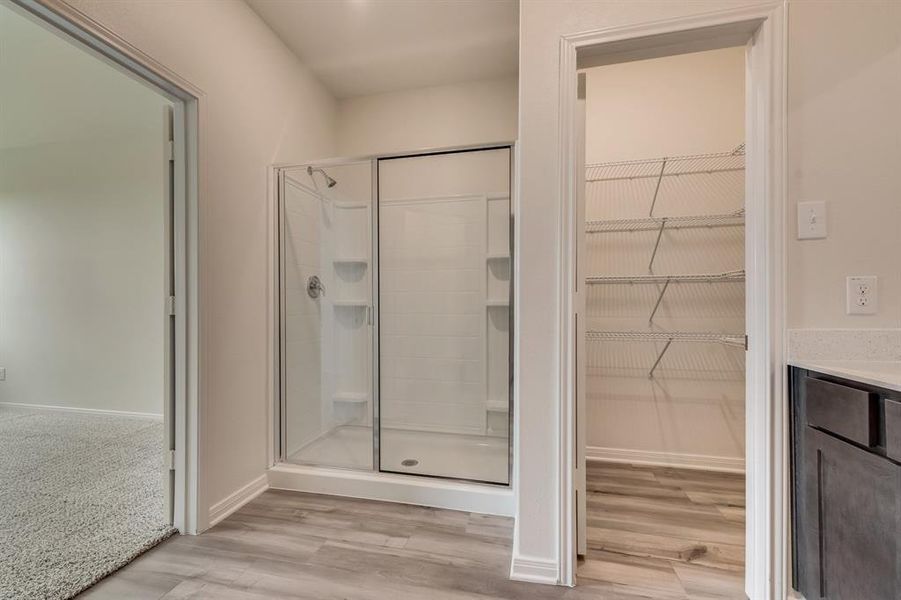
(746, 342)
(170, 306)
(170, 460)
(170, 151)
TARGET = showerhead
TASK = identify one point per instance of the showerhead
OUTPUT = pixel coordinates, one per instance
(328, 180)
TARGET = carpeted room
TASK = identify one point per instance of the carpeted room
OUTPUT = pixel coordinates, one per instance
(83, 328)
(81, 496)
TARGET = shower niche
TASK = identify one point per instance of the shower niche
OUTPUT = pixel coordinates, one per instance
(398, 359)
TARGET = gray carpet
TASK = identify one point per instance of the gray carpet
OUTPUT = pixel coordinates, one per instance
(80, 496)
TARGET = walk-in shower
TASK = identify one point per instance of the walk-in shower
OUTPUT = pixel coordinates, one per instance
(395, 310)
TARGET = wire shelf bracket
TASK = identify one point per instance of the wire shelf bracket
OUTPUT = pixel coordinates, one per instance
(656, 245)
(657, 187)
(659, 358)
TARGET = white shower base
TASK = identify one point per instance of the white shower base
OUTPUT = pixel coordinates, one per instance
(460, 456)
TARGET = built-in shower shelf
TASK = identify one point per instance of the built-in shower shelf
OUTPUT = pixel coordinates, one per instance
(498, 256)
(500, 406)
(351, 397)
(350, 205)
(499, 302)
(350, 303)
(351, 260)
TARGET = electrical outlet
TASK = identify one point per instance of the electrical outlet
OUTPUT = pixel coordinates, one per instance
(811, 220)
(861, 295)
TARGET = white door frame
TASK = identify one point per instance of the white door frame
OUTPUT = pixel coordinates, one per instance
(188, 107)
(763, 29)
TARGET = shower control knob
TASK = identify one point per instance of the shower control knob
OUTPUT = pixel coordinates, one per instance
(315, 287)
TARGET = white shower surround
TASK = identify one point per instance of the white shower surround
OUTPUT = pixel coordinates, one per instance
(475, 457)
(479, 437)
(432, 302)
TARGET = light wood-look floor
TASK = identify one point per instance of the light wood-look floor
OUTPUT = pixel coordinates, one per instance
(656, 537)
(665, 533)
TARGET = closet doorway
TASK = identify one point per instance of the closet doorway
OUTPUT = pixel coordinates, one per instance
(662, 365)
(760, 32)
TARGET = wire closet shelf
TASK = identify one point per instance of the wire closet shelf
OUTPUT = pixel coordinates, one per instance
(727, 277)
(668, 166)
(733, 219)
(668, 337)
(661, 168)
(728, 339)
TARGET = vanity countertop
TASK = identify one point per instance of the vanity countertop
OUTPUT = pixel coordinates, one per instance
(885, 374)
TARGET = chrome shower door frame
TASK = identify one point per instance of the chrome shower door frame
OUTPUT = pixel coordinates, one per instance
(277, 178)
(279, 404)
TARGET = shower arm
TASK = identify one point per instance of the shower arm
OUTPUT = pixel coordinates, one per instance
(329, 181)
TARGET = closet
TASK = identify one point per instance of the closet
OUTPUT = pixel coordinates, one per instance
(661, 307)
(663, 261)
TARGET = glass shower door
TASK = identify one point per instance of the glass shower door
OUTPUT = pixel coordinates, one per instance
(326, 303)
(444, 314)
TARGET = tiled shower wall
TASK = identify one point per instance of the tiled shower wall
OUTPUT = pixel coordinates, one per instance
(432, 311)
(444, 292)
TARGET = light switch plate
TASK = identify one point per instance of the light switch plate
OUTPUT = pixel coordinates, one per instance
(861, 295)
(2, 373)
(811, 220)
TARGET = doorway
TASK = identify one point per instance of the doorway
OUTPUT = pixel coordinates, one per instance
(759, 31)
(662, 304)
(94, 196)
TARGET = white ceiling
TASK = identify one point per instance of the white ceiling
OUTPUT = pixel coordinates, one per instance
(360, 47)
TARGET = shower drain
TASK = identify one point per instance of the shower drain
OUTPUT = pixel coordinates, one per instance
(409, 462)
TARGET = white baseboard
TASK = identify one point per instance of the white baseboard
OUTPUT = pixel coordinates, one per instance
(423, 491)
(534, 570)
(93, 411)
(224, 508)
(666, 459)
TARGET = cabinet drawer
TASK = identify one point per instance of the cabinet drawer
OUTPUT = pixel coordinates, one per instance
(842, 410)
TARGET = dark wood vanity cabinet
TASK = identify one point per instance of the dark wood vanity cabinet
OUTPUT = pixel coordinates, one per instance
(846, 489)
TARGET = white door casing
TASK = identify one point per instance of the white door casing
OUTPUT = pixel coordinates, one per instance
(763, 29)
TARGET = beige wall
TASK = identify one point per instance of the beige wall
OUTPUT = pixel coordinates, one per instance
(844, 147)
(670, 106)
(260, 106)
(82, 228)
(82, 272)
(844, 65)
(449, 115)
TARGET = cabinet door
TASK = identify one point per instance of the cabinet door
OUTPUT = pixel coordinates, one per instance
(852, 522)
